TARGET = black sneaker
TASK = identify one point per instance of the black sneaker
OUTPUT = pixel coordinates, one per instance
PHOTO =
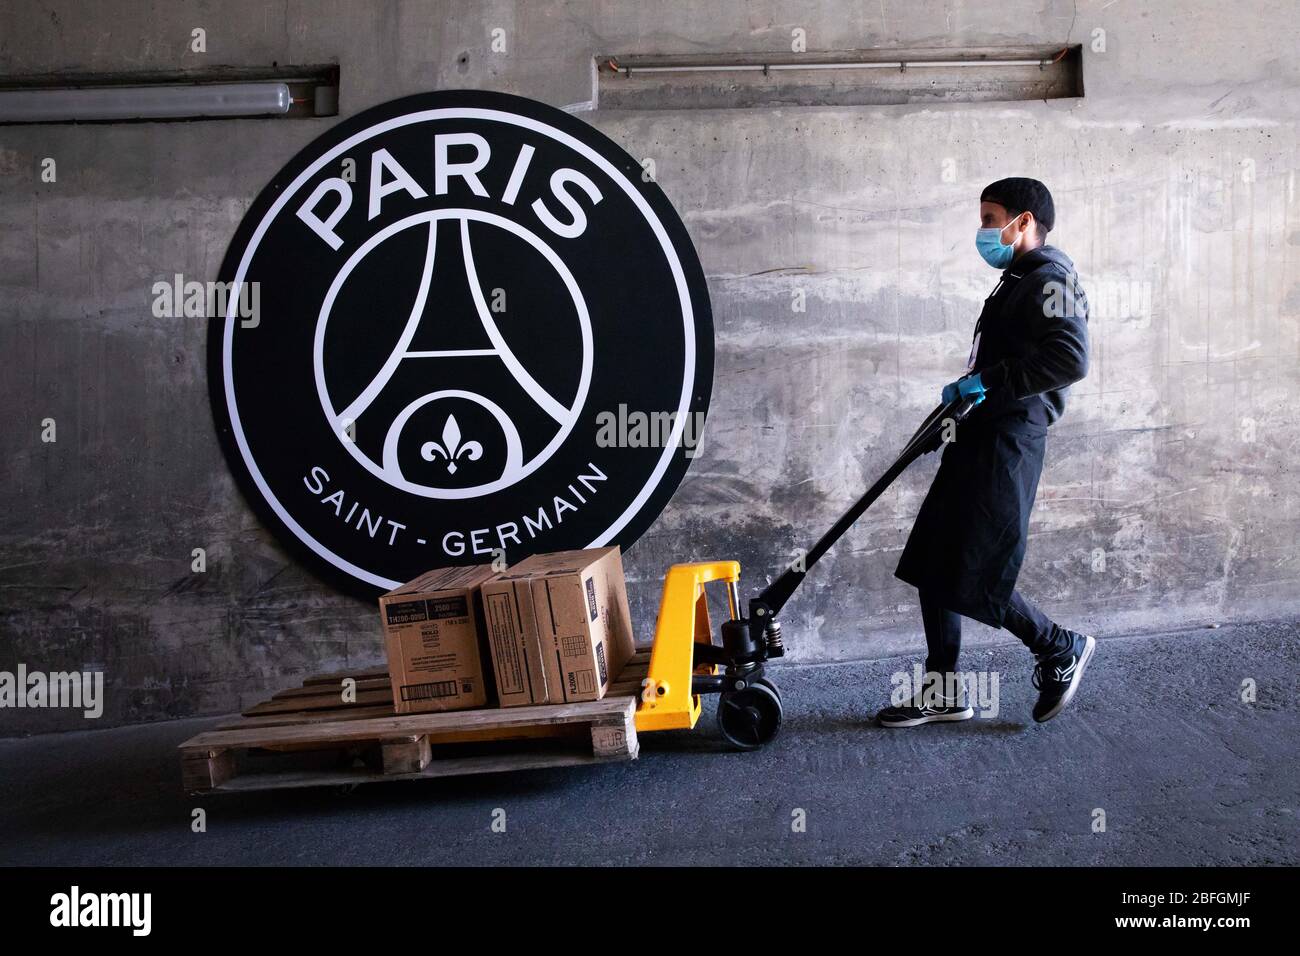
(1057, 678)
(923, 710)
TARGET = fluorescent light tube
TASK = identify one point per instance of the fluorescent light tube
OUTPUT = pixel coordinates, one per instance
(870, 65)
(143, 102)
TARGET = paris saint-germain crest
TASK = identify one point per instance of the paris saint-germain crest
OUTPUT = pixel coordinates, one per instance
(456, 290)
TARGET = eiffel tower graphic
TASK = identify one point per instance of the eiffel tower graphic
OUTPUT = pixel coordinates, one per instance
(451, 365)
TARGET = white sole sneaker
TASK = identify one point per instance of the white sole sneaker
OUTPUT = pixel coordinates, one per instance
(966, 714)
(1089, 645)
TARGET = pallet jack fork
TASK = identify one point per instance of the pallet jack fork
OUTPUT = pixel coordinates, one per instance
(685, 663)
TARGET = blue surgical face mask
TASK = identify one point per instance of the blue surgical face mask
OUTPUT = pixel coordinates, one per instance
(989, 243)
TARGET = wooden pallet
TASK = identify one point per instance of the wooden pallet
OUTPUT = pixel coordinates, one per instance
(307, 736)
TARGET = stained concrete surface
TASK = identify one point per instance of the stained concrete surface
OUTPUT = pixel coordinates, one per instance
(1158, 739)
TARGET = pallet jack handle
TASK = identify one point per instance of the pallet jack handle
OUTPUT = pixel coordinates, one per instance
(926, 439)
(685, 663)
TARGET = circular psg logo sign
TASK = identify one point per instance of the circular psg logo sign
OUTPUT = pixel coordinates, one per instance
(479, 332)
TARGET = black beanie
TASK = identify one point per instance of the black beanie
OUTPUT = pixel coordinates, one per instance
(1019, 194)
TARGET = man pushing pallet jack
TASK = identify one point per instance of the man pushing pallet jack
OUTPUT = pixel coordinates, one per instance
(963, 556)
(968, 542)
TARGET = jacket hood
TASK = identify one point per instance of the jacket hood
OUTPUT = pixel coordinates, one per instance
(1037, 257)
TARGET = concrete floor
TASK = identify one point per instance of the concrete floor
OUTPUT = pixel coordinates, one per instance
(1158, 738)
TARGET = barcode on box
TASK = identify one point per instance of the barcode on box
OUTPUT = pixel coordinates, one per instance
(430, 691)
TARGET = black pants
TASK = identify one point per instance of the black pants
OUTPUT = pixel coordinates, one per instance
(1023, 619)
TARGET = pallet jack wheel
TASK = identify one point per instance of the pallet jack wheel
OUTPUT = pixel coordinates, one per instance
(751, 717)
(772, 687)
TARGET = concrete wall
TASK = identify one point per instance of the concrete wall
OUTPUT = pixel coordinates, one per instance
(1170, 496)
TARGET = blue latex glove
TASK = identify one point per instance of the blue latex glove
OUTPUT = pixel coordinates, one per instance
(969, 387)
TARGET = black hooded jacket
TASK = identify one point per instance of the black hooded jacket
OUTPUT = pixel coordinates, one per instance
(1031, 343)
(1031, 340)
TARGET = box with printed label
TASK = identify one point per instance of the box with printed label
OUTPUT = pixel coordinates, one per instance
(558, 627)
(436, 643)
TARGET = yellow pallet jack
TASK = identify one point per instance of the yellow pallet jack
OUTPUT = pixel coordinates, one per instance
(685, 663)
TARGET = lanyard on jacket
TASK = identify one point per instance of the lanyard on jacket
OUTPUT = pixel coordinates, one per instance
(975, 337)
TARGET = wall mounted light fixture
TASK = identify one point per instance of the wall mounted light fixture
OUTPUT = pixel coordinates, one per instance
(879, 77)
(217, 94)
(143, 102)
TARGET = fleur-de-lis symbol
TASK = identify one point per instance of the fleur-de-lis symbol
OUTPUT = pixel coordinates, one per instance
(451, 447)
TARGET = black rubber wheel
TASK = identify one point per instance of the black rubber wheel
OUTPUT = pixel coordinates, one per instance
(772, 687)
(751, 717)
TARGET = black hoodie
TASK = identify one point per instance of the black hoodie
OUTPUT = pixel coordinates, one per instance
(1031, 340)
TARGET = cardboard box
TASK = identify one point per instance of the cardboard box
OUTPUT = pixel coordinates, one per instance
(436, 643)
(558, 626)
